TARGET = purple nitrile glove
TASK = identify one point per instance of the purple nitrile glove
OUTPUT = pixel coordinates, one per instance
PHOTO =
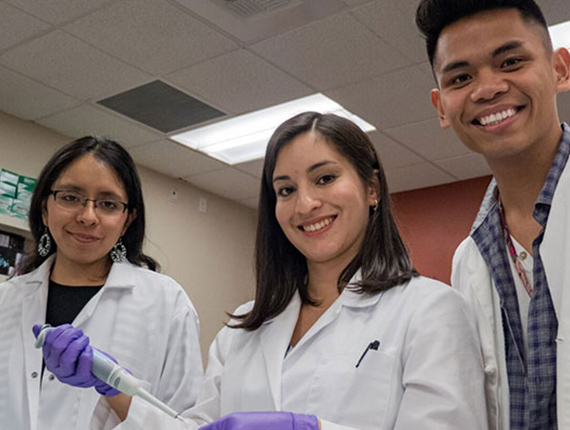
(69, 357)
(264, 421)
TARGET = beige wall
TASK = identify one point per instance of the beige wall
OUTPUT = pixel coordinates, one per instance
(210, 254)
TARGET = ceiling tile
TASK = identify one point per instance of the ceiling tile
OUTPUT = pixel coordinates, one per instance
(173, 159)
(255, 24)
(416, 176)
(353, 3)
(153, 35)
(364, 53)
(408, 8)
(389, 100)
(57, 11)
(428, 139)
(239, 82)
(16, 26)
(392, 155)
(254, 167)
(66, 63)
(426, 68)
(393, 26)
(87, 119)
(227, 182)
(30, 100)
(465, 166)
(331, 52)
(555, 11)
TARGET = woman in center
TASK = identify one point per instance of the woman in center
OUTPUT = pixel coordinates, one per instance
(343, 333)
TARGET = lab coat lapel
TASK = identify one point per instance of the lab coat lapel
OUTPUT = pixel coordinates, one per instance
(121, 275)
(33, 312)
(275, 337)
(350, 298)
(488, 297)
(555, 254)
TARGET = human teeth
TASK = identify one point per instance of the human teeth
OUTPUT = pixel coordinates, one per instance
(317, 226)
(496, 118)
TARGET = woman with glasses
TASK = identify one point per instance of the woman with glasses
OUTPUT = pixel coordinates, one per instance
(87, 268)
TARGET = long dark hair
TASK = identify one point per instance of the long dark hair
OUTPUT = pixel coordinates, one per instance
(280, 268)
(118, 159)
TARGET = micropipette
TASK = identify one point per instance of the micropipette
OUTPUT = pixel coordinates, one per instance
(111, 373)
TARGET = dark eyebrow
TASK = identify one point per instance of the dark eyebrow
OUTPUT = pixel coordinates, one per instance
(452, 66)
(110, 194)
(309, 170)
(68, 187)
(317, 165)
(102, 194)
(509, 46)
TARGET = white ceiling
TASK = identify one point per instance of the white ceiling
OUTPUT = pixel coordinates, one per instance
(59, 57)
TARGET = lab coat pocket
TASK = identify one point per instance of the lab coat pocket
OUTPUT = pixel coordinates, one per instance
(354, 396)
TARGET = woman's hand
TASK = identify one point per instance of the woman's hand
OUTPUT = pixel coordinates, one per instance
(69, 357)
(264, 421)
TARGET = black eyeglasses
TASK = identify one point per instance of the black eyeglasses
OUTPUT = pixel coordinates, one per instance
(72, 200)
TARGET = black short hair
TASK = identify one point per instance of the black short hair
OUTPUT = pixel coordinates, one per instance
(432, 16)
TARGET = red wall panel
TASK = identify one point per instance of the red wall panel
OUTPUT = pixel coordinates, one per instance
(434, 221)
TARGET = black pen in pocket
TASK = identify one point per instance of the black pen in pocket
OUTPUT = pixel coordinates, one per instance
(372, 345)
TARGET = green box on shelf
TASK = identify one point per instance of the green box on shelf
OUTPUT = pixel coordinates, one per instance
(15, 194)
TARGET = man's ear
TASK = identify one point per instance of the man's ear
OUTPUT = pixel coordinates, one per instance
(128, 222)
(561, 65)
(438, 105)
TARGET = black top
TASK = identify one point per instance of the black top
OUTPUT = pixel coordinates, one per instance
(64, 303)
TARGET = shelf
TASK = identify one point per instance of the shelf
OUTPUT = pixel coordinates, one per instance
(14, 225)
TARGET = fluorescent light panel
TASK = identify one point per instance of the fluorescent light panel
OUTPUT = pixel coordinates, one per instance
(245, 137)
(560, 35)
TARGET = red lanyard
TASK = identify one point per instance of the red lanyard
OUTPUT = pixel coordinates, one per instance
(513, 253)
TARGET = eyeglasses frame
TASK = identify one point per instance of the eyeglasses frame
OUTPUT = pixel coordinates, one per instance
(85, 200)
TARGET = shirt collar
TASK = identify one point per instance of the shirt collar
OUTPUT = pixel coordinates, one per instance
(544, 200)
(351, 298)
(490, 202)
(121, 275)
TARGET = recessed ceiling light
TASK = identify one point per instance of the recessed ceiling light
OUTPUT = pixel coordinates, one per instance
(560, 35)
(245, 137)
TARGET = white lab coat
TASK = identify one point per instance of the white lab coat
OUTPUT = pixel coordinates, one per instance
(143, 319)
(471, 276)
(427, 372)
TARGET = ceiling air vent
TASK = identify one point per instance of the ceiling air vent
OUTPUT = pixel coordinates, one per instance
(161, 106)
(250, 8)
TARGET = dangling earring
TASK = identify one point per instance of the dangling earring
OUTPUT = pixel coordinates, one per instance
(44, 244)
(119, 252)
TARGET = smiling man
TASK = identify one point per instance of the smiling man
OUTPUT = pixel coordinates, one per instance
(497, 80)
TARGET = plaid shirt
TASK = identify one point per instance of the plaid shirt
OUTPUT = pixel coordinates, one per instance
(531, 373)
